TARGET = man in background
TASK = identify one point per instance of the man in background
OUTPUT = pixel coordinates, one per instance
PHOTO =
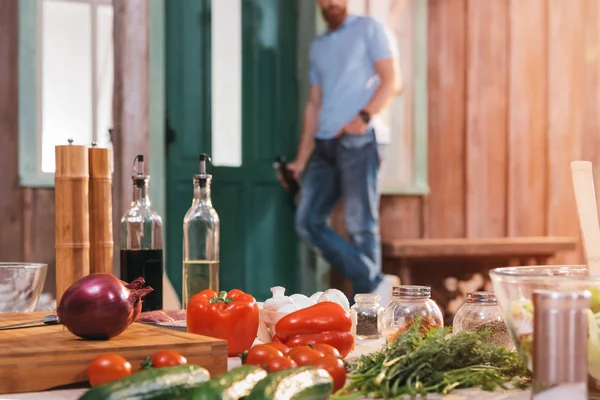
(353, 76)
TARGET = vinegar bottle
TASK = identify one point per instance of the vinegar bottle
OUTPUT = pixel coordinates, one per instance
(142, 241)
(200, 239)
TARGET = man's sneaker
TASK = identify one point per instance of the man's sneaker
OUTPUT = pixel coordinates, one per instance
(384, 289)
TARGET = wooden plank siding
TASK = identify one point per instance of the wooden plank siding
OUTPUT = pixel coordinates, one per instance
(444, 216)
(527, 91)
(514, 93)
(514, 89)
(487, 108)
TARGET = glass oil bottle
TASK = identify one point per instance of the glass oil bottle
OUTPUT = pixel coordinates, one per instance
(201, 231)
(142, 240)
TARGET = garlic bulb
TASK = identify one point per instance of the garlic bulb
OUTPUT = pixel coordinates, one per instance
(335, 296)
(302, 301)
(315, 297)
(278, 300)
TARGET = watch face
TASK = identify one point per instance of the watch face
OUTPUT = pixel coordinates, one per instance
(365, 116)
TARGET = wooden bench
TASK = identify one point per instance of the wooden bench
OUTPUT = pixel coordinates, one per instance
(508, 251)
(432, 262)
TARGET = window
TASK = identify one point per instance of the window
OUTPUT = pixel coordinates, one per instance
(65, 80)
(404, 169)
(226, 81)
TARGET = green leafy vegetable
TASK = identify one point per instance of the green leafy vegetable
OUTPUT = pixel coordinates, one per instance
(434, 362)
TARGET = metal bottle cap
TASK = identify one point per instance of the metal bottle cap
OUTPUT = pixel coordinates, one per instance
(560, 338)
(411, 291)
(481, 298)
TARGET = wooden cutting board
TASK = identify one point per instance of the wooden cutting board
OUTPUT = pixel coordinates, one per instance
(40, 358)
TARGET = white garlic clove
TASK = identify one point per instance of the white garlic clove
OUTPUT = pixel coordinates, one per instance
(335, 296)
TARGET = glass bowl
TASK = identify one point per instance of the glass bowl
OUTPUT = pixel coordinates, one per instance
(20, 286)
(514, 287)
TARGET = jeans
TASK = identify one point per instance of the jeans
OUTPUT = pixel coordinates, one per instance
(344, 168)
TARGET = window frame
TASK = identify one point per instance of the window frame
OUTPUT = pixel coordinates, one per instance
(30, 162)
(30, 98)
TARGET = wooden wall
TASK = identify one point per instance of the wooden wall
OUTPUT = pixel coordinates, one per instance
(26, 215)
(514, 96)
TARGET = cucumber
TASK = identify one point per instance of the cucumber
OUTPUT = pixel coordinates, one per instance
(233, 385)
(155, 384)
(304, 383)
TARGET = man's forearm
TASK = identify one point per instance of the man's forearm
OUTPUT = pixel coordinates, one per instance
(309, 130)
(381, 98)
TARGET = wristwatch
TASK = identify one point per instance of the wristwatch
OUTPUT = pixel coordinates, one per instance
(365, 116)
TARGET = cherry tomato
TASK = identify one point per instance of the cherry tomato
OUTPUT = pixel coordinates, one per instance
(281, 347)
(326, 349)
(336, 369)
(304, 355)
(261, 353)
(107, 368)
(279, 363)
(167, 358)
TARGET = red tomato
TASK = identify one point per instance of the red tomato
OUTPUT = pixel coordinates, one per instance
(304, 355)
(279, 364)
(261, 353)
(326, 349)
(336, 369)
(107, 368)
(281, 347)
(167, 358)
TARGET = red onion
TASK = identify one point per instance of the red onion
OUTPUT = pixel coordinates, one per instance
(100, 306)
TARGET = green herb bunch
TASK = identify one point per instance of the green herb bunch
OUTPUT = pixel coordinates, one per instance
(434, 362)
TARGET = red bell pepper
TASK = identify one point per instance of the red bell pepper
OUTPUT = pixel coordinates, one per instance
(325, 322)
(230, 316)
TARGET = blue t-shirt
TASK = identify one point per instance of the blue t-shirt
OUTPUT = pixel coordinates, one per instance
(342, 63)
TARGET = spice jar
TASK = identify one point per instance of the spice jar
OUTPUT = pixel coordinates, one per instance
(366, 314)
(479, 313)
(409, 304)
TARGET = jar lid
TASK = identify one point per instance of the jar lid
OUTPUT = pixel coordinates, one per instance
(481, 298)
(367, 298)
(411, 291)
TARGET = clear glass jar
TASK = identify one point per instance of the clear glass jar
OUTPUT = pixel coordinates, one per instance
(366, 314)
(480, 312)
(409, 303)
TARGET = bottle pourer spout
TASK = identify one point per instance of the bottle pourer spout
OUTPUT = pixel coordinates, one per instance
(202, 158)
(138, 164)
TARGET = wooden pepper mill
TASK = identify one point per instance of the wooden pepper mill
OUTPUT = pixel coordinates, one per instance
(72, 234)
(101, 229)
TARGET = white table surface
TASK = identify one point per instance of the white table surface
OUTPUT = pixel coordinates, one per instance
(361, 348)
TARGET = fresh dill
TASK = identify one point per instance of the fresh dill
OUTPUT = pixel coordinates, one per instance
(418, 363)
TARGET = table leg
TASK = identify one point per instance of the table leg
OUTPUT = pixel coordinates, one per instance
(405, 272)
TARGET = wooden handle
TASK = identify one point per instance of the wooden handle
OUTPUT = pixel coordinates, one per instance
(101, 229)
(72, 241)
(585, 196)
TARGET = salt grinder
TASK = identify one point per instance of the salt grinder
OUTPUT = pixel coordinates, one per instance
(560, 345)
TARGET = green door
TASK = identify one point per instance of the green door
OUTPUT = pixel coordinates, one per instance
(259, 248)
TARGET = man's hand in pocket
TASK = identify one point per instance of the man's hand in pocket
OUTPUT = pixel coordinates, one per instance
(355, 127)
